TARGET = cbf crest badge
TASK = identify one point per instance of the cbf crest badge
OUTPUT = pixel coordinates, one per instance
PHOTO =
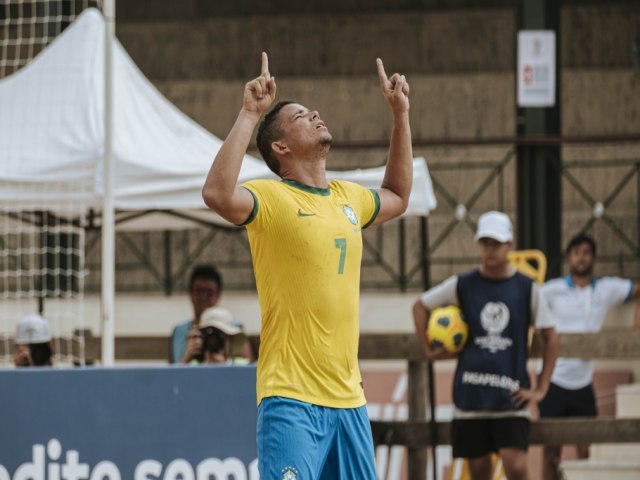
(351, 215)
(495, 318)
(289, 473)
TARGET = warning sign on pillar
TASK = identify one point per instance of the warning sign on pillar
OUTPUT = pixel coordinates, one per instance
(536, 68)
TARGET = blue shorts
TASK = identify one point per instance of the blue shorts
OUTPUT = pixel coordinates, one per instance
(301, 441)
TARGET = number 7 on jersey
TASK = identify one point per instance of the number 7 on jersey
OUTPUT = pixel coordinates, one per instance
(341, 243)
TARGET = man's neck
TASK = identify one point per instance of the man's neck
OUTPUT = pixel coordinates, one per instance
(311, 173)
(501, 272)
(581, 280)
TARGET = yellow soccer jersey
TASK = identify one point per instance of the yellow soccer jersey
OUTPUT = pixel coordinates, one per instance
(306, 245)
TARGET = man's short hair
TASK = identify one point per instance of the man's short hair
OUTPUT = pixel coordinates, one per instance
(580, 239)
(268, 132)
(206, 272)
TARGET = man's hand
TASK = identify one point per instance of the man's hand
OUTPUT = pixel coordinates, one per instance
(22, 356)
(420, 320)
(220, 192)
(438, 353)
(394, 89)
(260, 92)
(194, 345)
(524, 395)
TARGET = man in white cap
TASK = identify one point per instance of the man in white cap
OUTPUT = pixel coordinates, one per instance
(217, 329)
(33, 342)
(491, 389)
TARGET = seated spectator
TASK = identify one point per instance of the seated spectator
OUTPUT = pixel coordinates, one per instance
(217, 331)
(33, 343)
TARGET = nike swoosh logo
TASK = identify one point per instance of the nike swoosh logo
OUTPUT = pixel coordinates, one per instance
(305, 214)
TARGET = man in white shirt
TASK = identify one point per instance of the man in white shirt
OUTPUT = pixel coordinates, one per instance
(578, 303)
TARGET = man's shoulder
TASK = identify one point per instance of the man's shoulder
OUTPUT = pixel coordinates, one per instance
(447, 282)
(474, 272)
(262, 183)
(181, 327)
(345, 186)
(344, 183)
(612, 283)
(610, 280)
(522, 277)
(555, 284)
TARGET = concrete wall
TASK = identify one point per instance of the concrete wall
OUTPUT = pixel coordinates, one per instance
(459, 57)
(459, 61)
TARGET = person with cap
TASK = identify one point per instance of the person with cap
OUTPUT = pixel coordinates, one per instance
(33, 343)
(579, 303)
(491, 387)
(216, 331)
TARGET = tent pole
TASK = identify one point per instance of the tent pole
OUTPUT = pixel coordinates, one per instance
(108, 217)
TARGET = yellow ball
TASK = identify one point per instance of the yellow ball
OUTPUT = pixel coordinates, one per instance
(447, 329)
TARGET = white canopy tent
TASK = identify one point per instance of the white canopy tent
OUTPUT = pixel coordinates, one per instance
(52, 131)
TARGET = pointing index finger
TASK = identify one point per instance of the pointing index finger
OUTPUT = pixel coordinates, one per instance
(265, 64)
(382, 76)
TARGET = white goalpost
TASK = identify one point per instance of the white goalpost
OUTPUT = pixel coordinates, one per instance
(43, 215)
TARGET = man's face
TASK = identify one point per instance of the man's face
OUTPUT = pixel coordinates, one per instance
(205, 293)
(303, 127)
(493, 253)
(580, 260)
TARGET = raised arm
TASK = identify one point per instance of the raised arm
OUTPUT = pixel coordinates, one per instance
(220, 191)
(396, 185)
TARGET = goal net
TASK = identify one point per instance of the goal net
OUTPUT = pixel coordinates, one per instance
(42, 215)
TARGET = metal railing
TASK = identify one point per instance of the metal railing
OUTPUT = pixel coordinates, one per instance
(601, 195)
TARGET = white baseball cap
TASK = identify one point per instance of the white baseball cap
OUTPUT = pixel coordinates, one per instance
(32, 329)
(495, 225)
(221, 319)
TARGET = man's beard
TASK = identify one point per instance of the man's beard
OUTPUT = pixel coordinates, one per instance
(326, 141)
(582, 272)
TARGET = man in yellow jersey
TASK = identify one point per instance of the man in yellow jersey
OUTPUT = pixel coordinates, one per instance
(306, 243)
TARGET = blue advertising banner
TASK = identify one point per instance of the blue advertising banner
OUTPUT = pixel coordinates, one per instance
(161, 423)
